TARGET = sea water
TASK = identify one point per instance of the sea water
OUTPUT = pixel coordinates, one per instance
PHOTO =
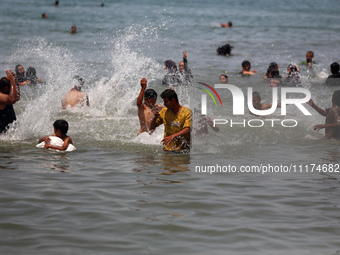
(121, 194)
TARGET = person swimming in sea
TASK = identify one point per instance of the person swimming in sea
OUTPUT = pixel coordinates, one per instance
(31, 76)
(246, 69)
(172, 78)
(293, 78)
(224, 50)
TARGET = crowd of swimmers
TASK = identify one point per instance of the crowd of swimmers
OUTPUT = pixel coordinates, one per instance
(176, 118)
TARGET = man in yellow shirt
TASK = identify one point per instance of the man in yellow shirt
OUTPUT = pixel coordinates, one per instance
(177, 122)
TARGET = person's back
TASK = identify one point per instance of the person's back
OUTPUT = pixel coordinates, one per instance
(60, 131)
(76, 97)
(332, 117)
(73, 98)
(333, 79)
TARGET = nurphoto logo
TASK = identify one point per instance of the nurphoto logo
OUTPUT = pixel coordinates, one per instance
(239, 102)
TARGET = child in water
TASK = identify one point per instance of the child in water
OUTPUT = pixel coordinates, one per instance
(260, 106)
(332, 123)
(60, 131)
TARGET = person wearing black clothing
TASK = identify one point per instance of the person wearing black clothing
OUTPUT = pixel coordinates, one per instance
(9, 95)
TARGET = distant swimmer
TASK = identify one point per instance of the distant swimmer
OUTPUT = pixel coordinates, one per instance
(31, 76)
(224, 50)
(246, 68)
(177, 123)
(309, 60)
(223, 79)
(334, 78)
(293, 77)
(332, 122)
(172, 77)
(9, 95)
(148, 108)
(44, 16)
(229, 24)
(273, 75)
(76, 97)
(60, 131)
(56, 3)
(260, 106)
(73, 30)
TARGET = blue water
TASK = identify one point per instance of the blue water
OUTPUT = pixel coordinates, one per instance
(121, 194)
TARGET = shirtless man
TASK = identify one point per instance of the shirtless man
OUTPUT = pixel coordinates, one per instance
(332, 123)
(76, 96)
(147, 109)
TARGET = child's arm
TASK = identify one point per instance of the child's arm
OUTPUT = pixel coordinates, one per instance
(66, 143)
(321, 126)
(317, 108)
(45, 139)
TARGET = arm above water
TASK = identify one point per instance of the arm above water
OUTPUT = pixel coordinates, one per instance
(64, 147)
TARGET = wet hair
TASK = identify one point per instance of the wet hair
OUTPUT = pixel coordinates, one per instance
(169, 94)
(31, 75)
(336, 97)
(170, 65)
(4, 83)
(224, 50)
(150, 93)
(271, 69)
(226, 76)
(275, 74)
(31, 72)
(230, 23)
(79, 79)
(310, 52)
(256, 94)
(61, 125)
(245, 63)
(335, 67)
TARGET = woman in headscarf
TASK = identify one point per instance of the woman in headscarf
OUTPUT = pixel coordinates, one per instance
(20, 72)
(172, 77)
(32, 76)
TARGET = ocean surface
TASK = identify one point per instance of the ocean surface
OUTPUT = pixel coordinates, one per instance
(121, 194)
